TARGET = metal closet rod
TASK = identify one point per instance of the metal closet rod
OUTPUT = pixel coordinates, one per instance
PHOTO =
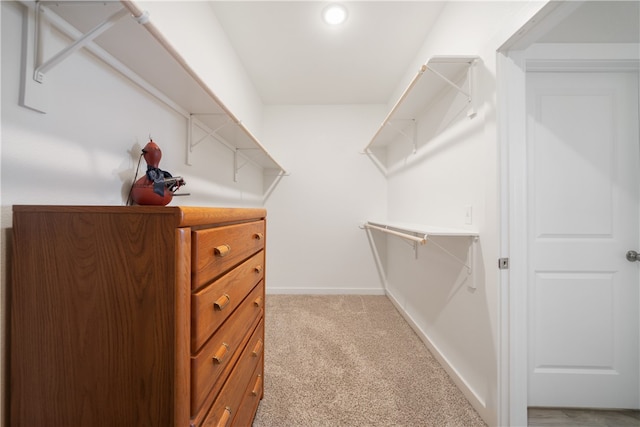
(421, 240)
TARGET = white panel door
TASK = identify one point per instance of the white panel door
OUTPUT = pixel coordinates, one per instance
(583, 185)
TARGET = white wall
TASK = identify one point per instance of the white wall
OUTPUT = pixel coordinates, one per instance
(84, 150)
(86, 147)
(457, 165)
(315, 245)
(185, 26)
(331, 187)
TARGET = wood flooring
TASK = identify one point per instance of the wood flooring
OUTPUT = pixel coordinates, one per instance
(546, 417)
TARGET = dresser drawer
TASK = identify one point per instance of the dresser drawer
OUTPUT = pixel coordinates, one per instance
(213, 363)
(250, 399)
(228, 406)
(214, 303)
(215, 250)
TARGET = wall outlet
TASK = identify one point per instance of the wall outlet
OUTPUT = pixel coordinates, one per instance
(468, 215)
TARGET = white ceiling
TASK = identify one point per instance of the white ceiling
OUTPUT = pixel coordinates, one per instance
(294, 58)
(599, 22)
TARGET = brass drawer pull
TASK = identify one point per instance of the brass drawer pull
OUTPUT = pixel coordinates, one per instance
(258, 236)
(221, 353)
(257, 349)
(257, 386)
(258, 269)
(224, 419)
(222, 250)
(222, 302)
(257, 302)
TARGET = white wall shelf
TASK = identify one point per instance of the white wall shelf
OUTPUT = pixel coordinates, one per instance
(420, 234)
(135, 48)
(439, 73)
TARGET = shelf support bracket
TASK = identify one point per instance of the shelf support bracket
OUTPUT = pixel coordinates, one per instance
(80, 42)
(471, 255)
(208, 133)
(213, 133)
(468, 92)
(458, 88)
(236, 168)
(236, 164)
(461, 261)
(413, 138)
(418, 238)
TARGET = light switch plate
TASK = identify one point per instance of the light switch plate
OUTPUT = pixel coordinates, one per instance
(468, 215)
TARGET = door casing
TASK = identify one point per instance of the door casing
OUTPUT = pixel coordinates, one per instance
(513, 66)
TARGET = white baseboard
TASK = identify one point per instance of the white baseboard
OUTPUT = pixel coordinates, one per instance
(324, 291)
(476, 401)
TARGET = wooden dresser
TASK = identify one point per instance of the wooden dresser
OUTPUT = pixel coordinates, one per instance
(136, 316)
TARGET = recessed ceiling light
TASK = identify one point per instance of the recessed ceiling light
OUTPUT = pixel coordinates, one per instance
(334, 14)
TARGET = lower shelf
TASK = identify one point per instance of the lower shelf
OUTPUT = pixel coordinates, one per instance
(419, 234)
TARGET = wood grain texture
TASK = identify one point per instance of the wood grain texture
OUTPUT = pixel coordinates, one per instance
(92, 317)
(241, 241)
(207, 376)
(100, 314)
(183, 331)
(582, 417)
(253, 393)
(236, 284)
(231, 396)
(184, 216)
(194, 216)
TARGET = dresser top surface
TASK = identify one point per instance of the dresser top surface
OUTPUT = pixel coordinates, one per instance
(185, 216)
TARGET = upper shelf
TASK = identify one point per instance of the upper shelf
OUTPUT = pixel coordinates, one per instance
(135, 47)
(436, 75)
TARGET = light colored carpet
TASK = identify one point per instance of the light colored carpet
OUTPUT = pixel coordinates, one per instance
(352, 360)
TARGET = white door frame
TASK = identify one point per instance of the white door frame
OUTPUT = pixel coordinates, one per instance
(512, 130)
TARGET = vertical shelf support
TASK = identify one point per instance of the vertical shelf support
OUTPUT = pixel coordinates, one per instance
(472, 261)
(236, 168)
(472, 96)
(208, 133)
(236, 165)
(236, 161)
